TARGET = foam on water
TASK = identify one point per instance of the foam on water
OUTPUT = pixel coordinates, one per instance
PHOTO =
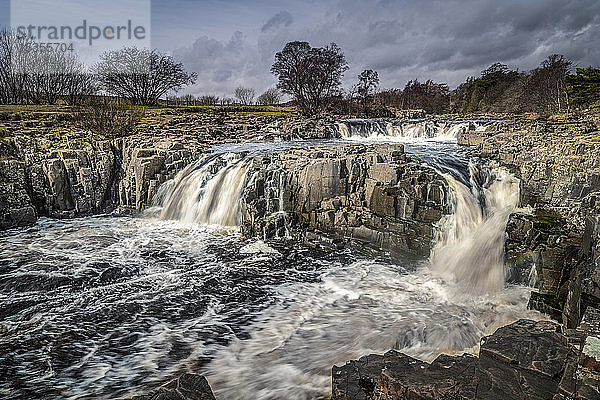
(362, 308)
(406, 130)
(109, 307)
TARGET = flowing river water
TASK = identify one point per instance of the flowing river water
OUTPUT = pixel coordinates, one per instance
(109, 307)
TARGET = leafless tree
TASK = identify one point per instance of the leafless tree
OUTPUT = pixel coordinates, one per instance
(208, 100)
(311, 75)
(30, 74)
(547, 86)
(14, 54)
(108, 117)
(226, 101)
(244, 95)
(269, 97)
(368, 82)
(141, 75)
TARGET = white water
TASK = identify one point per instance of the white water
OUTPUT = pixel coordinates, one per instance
(443, 305)
(470, 244)
(373, 129)
(204, 196)
(109, 307)
(363, 308)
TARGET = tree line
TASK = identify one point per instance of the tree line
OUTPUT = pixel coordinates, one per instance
(312, 77)
(33, 75)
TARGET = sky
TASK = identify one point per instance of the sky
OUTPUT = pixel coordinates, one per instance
(232, 42)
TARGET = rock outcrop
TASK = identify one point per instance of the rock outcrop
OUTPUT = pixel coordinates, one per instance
(524, 360)
(84, 176)
(373, 193)
(186, 387)
(559, 167)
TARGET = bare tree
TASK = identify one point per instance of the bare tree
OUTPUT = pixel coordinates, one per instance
(547, 86)
(141, 75)
(368, 82)
(30, 74)
(15, 52)
(311, 75)
(244, 95)
(226, 101)
(108, 118)
(208, 100)
(269, 97)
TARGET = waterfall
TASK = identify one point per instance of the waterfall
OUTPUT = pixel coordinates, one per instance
(406, 129)
(470, 243)
(208, 192)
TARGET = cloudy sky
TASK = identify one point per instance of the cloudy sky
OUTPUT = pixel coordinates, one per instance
(232, 42)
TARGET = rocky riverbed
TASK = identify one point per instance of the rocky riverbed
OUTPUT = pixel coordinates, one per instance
(380, 195)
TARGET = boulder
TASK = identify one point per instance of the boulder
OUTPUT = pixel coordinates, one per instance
(524, 360)
(186, 387)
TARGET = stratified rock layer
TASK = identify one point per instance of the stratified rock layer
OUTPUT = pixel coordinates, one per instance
(372, 193)
(558, 163)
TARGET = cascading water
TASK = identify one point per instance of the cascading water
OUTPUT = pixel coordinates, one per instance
(201, 195)
(470, 241)
(110, 307)
(374, 129)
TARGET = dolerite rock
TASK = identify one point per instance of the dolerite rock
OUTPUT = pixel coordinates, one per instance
(372, 193)
(186, 387)
(559, 168)
(307, 128)
(447, 377)
(541, 251)
(591, 251)
(16, 206)
(66, 177)
(356, 380)
(524, 360)
(397, 376)
(586, 377)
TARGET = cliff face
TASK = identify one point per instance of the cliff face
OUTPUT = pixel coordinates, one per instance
(83, 176)
(558, 163)
(372, 193)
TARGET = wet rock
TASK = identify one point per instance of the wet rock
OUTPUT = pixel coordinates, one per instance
(16, 206)
(558, 164)
(186, 387)
(307, 128)
(357, 379)
(371, 193)
(84, 176)
(523, 360)
(446, 377)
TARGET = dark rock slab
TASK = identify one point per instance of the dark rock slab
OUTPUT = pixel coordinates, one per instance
(446, 377)
(524, 360)
(186, 387)
(357, 379)
(397, 376)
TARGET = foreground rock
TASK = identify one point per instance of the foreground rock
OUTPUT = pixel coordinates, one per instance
(524, 360)
(186, 387)
(373, 193)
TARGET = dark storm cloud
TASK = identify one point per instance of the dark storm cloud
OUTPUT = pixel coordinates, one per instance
(444, 40)
(282, 18)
